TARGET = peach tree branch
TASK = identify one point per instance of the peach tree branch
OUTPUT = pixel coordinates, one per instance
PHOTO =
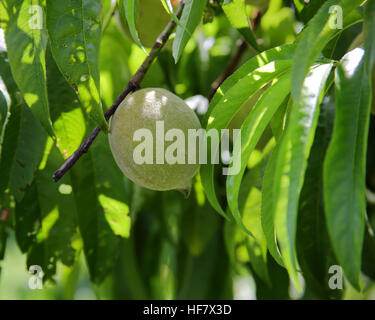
(132, 85)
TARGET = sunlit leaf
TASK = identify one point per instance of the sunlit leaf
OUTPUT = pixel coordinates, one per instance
(129, 11)
(292, 162)
(45, 219)
(345, 164)
(21, 151)
(76, 49)
(236, 13)
(320, 30)
(26, 39)
(225, 109)
(102, 212)
(251, 131)
(190, 18)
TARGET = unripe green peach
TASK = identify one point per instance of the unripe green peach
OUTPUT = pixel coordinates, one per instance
(147, 109)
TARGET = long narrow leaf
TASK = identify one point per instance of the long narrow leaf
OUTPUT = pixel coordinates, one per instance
(315, 37)
(251, 132)
(236, 14)
(292, 162)
(227, 107)
(129, 11)
(190, 18)
(345, 164)
(315, 252)
(369, 31)
(285, 52)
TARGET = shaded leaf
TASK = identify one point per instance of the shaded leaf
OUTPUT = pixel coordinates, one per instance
(315, 252)
(279, 288)
(306, 10)
(199, 220)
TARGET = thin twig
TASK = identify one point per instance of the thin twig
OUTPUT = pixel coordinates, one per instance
(132, 85)
(232, 65)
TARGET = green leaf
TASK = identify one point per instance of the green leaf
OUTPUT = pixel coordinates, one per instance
(251, 131)
(45, 218)
(285, 52)
(195, 277)
(99, 193)
(76, 49)
(314, 249)
(292, 162)
(369, 32)
(3, 241)
(4, 107)
(190, 18)
(100, 186)
(114, 69)
(249, 69)
(169, 8)
(129, 11)
(98, 176)
(277, 25)
(225, 109)
(250, 200)
(236, 14)
(277, 122)
(66, 112)
(268, 207)
(279, 288)
(345, 164)
(21, 151)
(26, 39)
(368, 254)
(199, 220)
(99, 241)
(315, 37)
(9, 93)
(306, 10)
(110, 185)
